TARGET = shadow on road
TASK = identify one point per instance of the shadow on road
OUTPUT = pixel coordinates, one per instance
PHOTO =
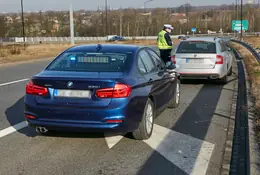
(194, 122)
(215, 82)
(15, 115)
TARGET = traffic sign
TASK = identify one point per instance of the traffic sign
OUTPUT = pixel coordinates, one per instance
(193, 29)
(236, 25)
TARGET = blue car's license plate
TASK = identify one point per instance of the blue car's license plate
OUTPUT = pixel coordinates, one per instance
(72, 93)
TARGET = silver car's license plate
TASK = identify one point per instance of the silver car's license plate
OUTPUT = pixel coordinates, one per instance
(72, 93)
(189, 60)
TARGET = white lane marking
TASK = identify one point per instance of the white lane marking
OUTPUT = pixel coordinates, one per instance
(112, 140)
(189, 154)
(12, 129)
(12, 82)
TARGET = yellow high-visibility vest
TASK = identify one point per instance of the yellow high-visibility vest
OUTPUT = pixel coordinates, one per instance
(162, 43)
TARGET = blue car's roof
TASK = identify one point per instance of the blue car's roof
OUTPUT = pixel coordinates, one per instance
(105, 47)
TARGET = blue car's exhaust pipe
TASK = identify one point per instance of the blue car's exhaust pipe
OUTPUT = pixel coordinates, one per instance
(40, 129)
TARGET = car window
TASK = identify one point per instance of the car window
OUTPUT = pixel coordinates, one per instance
(140, 64)
(147, 60)
(196, 47)
(158, 61)
(91, 62)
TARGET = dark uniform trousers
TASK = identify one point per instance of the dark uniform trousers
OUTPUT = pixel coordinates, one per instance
(165, 55)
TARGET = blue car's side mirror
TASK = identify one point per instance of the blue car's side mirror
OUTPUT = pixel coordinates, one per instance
(170, 65)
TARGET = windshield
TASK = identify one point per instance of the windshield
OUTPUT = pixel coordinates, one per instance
(196, 47)
(90, 62)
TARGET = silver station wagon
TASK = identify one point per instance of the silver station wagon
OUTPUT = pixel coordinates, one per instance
(204, 58)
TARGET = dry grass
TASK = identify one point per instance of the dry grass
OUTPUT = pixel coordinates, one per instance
(255, 41)
(32, 52)
(253, 70)
(14, 53)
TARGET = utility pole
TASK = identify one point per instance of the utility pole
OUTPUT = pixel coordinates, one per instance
(206, 22)
(187, 15)
(71, 26)
(236, 15)
(236, 9)
(121, 23)
(188, 20)
(23, 24)
(128, 29)
(106, 18)
(98, 21)
(241, 32)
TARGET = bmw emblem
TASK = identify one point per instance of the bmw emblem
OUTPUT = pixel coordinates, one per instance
(70, 84)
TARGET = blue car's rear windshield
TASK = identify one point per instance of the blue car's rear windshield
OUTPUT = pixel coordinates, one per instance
(197, 47)
(91, 62)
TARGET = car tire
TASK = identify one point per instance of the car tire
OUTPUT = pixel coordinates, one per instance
(175, 101)
(230, 71)
(145, 129)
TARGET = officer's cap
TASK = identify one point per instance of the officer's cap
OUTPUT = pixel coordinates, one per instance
(168, 26)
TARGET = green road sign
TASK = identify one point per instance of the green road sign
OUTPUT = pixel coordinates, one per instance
(236, 25)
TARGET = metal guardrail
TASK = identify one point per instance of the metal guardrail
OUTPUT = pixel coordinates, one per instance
(250, 48)
(38, 40)
(240, 158)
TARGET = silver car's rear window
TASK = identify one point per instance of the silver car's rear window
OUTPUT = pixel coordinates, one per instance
(196, 47)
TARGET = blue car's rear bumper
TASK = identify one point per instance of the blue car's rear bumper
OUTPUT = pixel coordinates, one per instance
(87, 119)
(89, 127)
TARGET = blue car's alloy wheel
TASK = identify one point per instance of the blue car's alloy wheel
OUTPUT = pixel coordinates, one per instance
(146, 126)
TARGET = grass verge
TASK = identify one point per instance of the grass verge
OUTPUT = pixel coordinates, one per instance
(253, 71)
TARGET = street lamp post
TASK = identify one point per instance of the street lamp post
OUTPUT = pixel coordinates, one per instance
(146, 3)
(23, 23)
(72, 39)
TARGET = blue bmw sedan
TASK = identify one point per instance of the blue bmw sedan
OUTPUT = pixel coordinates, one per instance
(103, 88)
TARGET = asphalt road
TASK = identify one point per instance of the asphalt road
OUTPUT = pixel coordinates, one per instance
(187, 140)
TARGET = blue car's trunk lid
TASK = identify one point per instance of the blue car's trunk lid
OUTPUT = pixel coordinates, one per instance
(63, 86)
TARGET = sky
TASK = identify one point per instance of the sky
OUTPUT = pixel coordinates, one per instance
(36, 5)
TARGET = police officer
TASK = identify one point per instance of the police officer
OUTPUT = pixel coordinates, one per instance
(165, 43)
